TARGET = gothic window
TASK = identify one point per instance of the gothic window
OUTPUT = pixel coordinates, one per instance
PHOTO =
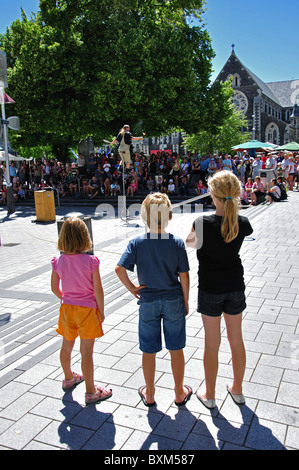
(240, 102)
(236, 79)
(272, 133)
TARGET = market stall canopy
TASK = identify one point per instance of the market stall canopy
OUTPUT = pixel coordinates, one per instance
(12, 158)
(291, 146)
(254, 145)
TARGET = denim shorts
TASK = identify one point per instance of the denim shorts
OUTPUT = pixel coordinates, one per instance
(170, 313)
(213, 305)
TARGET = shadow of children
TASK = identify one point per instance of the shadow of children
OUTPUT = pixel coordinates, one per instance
(251, 434)
(82, 425)
(171, 431)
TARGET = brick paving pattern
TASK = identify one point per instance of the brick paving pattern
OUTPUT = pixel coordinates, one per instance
(36, 414)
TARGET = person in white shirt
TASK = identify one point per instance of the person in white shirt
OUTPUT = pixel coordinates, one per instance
(256, 167)
(273, 192)
(271, 163)
(227, 163)
(81, 163)
(292, 173)
(171, 187)
(286, 166)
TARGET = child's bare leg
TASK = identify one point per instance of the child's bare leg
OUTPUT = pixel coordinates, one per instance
(65, 358)
(86, 349)
(149, 367)
(234, 335)
(210, 358)
(178, 370)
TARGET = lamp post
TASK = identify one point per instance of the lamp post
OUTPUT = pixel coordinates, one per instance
(4, 122)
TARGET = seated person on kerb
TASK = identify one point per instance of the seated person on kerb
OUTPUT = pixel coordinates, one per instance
(162, 293)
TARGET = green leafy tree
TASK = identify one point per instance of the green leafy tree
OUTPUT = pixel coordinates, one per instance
(220, 139)
(83, 68)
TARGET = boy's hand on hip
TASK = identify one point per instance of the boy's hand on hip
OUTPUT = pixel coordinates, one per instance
(135, 290)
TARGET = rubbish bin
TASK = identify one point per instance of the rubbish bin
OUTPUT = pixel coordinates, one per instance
(86, 220)
(266, 176)
(44, 206)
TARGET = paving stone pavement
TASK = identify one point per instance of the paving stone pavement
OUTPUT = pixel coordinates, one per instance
(35, 413)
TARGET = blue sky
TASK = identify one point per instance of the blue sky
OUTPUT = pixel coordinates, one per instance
(265, 33)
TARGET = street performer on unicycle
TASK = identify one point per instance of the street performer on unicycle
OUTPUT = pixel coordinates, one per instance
(125, 139)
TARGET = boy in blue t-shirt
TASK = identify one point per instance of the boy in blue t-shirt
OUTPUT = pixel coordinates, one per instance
(163, 294)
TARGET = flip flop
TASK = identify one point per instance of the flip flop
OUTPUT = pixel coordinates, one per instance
(187, 397)
(238, 399)
(142, 397)
(207, 402)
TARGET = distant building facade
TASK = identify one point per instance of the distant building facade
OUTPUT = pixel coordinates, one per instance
(271, 109)
(169, 143)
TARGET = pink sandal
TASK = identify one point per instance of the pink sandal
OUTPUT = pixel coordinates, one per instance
(77, 379)
(100, 395)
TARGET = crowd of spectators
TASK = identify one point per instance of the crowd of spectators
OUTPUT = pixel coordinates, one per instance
(183, 175)
(285, 177)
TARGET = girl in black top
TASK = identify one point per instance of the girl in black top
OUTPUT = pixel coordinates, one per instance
(221, 290)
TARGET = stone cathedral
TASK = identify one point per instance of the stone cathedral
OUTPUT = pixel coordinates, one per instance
(271, 109)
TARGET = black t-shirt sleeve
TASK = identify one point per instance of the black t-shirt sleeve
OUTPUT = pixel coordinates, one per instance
(127, 138)
(245, 226)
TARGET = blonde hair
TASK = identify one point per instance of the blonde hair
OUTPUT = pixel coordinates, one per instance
(226, 187)
(123, 129)
(74, 236)
(156, 211)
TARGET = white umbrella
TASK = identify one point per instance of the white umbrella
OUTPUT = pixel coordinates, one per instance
(12, 158)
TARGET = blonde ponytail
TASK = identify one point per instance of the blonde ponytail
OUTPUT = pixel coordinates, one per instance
(123, 129)
(226, 187)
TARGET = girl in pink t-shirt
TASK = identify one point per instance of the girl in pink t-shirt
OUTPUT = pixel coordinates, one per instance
(77, 283)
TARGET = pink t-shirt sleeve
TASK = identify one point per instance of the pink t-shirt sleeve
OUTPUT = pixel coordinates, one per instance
(94, 263)
(54, 262)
